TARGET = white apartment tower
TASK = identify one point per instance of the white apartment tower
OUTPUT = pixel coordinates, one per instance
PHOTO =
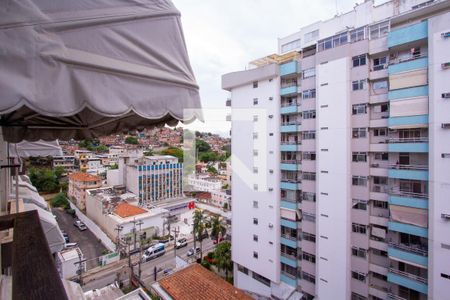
(348, 159)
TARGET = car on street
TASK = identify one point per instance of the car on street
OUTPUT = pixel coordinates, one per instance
(80, 225)
(154, 252)
(66, 237)
(193, 251)
(181, 243)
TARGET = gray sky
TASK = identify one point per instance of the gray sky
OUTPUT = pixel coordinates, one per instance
(223, 36)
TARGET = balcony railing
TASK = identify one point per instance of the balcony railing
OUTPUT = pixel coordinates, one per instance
(379, 67)
(291, 161)
(408, 167)
(34, 274)
(406, 58)
(290, 104)
(380, 188)
(291, 123)
(416, 249)
(398, 192)
(290, 143)
(291, 180)
(409, 275)
(422, 139)
(395, 297)
(287, 85)
(292, 257)
(289, 275)
(289, 237)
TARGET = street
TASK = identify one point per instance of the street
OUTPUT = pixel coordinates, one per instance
(87, 241)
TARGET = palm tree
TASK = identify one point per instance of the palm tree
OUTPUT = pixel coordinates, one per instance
(198, 226)
(217, 228)
(222, 255)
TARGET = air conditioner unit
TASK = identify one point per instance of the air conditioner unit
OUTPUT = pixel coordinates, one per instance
(271, 171)
(445, 155)
(270, 116)
(445, 125)
(445, 216)
(446, 95)
(445, 65)
(270, 189)
(445, 34)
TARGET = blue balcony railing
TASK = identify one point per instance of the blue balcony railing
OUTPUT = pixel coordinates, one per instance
(288, 68)
(408, 228)
(415, 255)
(408, 65)
(408, 121)
(408, 280)
(408, 34)
(288, 90)
(418, 91)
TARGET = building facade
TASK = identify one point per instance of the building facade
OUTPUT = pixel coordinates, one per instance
(361, 118)
(65, 161)
(204, 183)
(78, 184)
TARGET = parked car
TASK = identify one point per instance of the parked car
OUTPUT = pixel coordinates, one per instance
(154, 252)
(181, 243)
(193, 251)
(80, 225)
(66, 237)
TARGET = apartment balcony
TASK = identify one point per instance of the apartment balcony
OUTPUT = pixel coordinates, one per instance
(290, 165)
(414, 145)
(410, 92)
(395, 297)
(288, 279)
(378, 291)
(378, 98)
(408, 64)
(288, 68)
(409, 199)
(288, 204)
(408, 280)
(378, 72)
(290, 146)
(288, 260)
(411, 172)
(290, 184)
(288, 127)
(288, 90)
(288, 241)
(290, 108)
(416, 254)
(408, 122)
(289, 224)
(408, 228)
(408, 34)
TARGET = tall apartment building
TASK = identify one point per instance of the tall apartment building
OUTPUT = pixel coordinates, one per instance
(356, 146)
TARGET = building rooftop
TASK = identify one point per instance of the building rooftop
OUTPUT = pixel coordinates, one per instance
(197, 283)
(125, 210)
(79, 176)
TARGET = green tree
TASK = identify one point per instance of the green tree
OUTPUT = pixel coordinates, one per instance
(45, 180)
(212, 170)
(102, 148)
(148, 153)
(60, 200)
(222, 255)
(202, 146)
(199, 228)
(113, 167)
(174, 151)
(208, 156)
(225, 205)
(131, 140)
(217, 228)
(59, 171)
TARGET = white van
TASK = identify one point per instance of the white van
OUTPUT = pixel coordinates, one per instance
(154, 252)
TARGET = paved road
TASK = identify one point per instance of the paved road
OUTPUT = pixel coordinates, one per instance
(163, 262)
(87, 241)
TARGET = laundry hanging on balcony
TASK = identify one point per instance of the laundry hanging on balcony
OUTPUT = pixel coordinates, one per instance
(81, 69)
(409, 215)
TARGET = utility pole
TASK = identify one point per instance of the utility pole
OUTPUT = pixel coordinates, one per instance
(80, 266)
(175, 234)
(139, 223)
(118, 229)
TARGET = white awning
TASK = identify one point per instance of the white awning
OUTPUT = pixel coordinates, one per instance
(81, 69)
(33, 149)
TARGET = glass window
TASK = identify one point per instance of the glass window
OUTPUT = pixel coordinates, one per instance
(261, 279)
(242, 269)
(255, 84)
(308, 196)
(360, 252)
(309, 94)
(359, 109)
(309, 176)
(357, 34)
(359, 180)
(308, 277)
(309, 114)
(358, 84)
(359, 157)
(359, 204)
(359, 60)
(311, 72)
(309, 155)
(380, 132)
(309, 257)
(359, 228)
(381, 84)
(309, 236)
(359, 133)
(381, 156)
(291, 46)
(255, 101)
(255, 221)
(309, 36)
(379, 30)
(379, 63)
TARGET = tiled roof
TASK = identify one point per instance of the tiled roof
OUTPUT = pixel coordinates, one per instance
(80, 176)
(197, 283)
(125, 210)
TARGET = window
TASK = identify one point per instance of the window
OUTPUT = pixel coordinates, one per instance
(358, 84)
(379, 276)
(255, 204)
(360, 252)
(380, 85)
(379, 63)
(255, 101)
(359, 228)
(291, 45)
(359, 157)
(359, 133)
(380, 204)
(309, 217)
(255, 135)
(255, 187)
(308, 277)
(356, 296)
(332, 42)
(255, 221)
(261, 279)
(359, 60)
(309, 237)
(242, 269)
(359, 109)
(359, 276)
(255, 254)
(255, 170)
(309, 135)
(380, 132)
(446, 276)
(307, 73)
(309, 257)
(325, 44)
(255, 237)
(255, 118)
(309, 94)
(309, 114)
(359, 180)
(379, 252)
(308, 196)
(309, 36)
(357, 34)
(359, 204)
(255, 152)
(255, 84)
(379, 180)
(309, 176)
(379, 30)
(309, 155)
(381, 108)
(381, 156)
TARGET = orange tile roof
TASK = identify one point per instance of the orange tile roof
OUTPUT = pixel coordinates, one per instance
(80, 176)
(125, 210)
(197, 283)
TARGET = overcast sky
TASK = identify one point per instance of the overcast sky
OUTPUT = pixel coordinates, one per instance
(223, 36)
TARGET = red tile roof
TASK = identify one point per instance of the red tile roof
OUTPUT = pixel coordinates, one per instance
(125, 210)
(80, 176)
(197, 283)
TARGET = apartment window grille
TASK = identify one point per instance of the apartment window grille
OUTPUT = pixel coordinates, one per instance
(242, 269)
(380, 204)
(255, 152)
(359, 133)
(379, 30)
(255, 135)
(360, 252)
(359, 109)
(332, 42)
(255, 84)
(381, 156)
(308, 277)
(379, 63)
(309, 135)
(356, 296)
(309, 94)
(359, 157)
(358, 84)
(255, 204)
(380, 85)
(359, 228)
(357, 34)
(308, 196)
(255, 237)
(309, 176)
(359, 180)
(308, 237)
(307, 73)
(261, 279)
(255, 101)
(309, 257)
(255, 118)
(359, 276)
(359, 60)
(309, 114)
(309, 155)
(310, 36)
(359, 204)
(255, 221)
(255, 187)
